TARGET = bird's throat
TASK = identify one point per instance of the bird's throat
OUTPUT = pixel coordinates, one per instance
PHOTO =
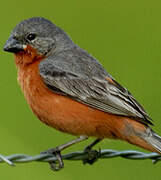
(27, 57)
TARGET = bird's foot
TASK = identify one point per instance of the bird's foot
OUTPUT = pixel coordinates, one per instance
(58, 164)
(92, 155)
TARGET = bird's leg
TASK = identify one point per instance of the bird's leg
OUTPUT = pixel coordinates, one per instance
(93, 155)
(57, 152)
(89, 147)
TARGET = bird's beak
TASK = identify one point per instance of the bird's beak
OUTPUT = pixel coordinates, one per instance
(14, 46)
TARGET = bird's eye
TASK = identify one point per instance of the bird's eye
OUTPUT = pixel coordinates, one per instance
(31, 36)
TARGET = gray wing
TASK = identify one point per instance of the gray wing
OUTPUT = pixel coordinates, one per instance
(103, 93)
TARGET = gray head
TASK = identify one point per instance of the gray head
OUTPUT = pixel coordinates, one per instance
(39, 33)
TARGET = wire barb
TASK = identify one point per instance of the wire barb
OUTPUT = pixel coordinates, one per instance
(80, 155)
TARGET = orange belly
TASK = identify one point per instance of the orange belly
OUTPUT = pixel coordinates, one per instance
(65, 114)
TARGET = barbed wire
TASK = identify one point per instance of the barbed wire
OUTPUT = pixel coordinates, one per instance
(80, 155)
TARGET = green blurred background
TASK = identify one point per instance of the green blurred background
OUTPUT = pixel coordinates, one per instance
(126, 37)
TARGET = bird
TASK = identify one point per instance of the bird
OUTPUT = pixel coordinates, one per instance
(69, 90)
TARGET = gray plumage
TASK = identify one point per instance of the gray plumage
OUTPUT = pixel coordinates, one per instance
(77, 74)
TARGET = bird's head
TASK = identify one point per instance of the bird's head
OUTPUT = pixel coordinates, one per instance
(36, 37)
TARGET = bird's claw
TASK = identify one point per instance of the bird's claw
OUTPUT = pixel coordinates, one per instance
(58, 164)
(92, 157)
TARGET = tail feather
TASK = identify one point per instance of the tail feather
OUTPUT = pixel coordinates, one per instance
(137, 134)
(153, 139)
(142, 136)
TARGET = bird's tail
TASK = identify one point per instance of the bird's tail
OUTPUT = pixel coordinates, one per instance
(142, 136)
(148, 140)
(153, 139)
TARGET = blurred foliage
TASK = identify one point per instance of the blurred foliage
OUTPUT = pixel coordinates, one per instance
(126, 37)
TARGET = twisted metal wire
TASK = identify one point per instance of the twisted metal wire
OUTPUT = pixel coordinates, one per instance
(80, 155)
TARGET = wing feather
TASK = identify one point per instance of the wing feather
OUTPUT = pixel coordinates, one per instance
(98, 93)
